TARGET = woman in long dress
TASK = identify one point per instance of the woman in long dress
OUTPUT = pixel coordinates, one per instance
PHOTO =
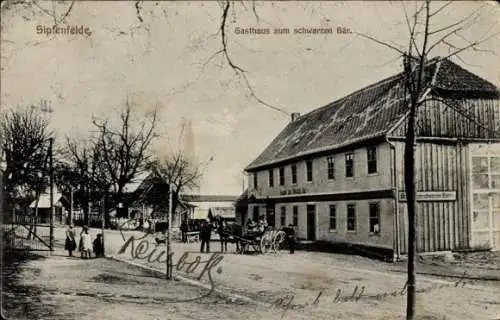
(70, 243)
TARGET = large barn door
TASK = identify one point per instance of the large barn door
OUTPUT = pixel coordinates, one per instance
(485, 191)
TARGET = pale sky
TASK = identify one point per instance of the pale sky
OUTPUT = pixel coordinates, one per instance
(165, 62)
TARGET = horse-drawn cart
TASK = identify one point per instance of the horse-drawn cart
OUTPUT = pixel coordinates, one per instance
(267, 241)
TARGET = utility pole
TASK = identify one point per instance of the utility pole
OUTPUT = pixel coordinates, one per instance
(52, 208)
(169, 230)
(103, 220)
(71, 207)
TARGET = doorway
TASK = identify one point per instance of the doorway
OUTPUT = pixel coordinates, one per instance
(311, 222)
(270, 216)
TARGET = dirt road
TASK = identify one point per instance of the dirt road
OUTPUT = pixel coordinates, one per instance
(63, 288)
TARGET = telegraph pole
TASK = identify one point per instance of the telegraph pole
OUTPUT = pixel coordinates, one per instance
(169, 230)
(103, 210)
(71, 208)
(52, 208)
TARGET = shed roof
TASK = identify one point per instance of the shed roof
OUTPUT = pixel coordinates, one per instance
(364, 114)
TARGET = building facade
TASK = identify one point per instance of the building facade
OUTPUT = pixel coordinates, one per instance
(336, 173)
(217, 205)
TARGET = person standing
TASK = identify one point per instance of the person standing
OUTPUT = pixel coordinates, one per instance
(290, 237)
(223, 234)
(205, 234)
(86, 243)
(184, 230)
(98, 246)
(70, 243)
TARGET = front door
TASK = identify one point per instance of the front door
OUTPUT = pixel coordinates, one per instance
(271, 221)
(311, 222)
(485, 185)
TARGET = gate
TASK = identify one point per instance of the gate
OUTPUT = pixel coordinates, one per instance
(29, 232)
(31, 229)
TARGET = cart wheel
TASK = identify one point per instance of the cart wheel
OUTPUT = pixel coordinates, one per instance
(278, 240)
(265, 244)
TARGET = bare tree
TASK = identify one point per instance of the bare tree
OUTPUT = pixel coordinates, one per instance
(179, 171)
(122, 153)
(25, 134)
(419, 89)
(81, 170)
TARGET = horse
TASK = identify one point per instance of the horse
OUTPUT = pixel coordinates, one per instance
(228, 232)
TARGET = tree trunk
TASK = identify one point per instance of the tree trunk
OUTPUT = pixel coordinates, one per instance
(410, 186)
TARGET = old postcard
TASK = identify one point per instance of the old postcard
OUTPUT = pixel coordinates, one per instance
(250, 160)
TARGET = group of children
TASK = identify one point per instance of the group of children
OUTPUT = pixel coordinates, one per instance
(86, 245)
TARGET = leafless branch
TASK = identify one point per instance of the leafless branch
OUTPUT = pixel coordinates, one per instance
(380, 42)
(443, 39)
(68, 11)
(138, 10)
(440, 9)
(124, 149)
(471, 45)
(237, 69)
(430, 33)
(224, 38)
(255, 11)
(411, 29)
(53, 14)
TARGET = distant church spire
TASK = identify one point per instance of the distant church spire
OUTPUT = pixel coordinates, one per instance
(187, 143)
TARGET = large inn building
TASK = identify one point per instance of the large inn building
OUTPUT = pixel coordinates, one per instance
(336, 173)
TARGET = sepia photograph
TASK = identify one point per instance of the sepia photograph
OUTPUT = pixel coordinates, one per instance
(250, 160)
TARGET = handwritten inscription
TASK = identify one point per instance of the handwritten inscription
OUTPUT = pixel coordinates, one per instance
(286, 302)
(141, 249)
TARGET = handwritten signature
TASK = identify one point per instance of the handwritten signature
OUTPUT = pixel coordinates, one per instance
(286, 302)
(141, 249)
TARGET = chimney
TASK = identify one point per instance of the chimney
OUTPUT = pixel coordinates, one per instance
(295, 116)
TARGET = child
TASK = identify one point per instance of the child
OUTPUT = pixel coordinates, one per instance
(98, 246)
(86, 243)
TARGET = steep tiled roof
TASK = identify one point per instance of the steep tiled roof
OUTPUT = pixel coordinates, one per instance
(364, 114)
(453, 77)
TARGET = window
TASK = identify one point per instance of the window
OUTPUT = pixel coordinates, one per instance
(255, 181)
(372, 159)
(295, 216)
(349, 164)
(255, 214)
(351, 217)
(282, 176)
(333, 217)
(294, 174)
(374, 218)
(271, 178)
(283, 216)
(309, 171)
(331, 167)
